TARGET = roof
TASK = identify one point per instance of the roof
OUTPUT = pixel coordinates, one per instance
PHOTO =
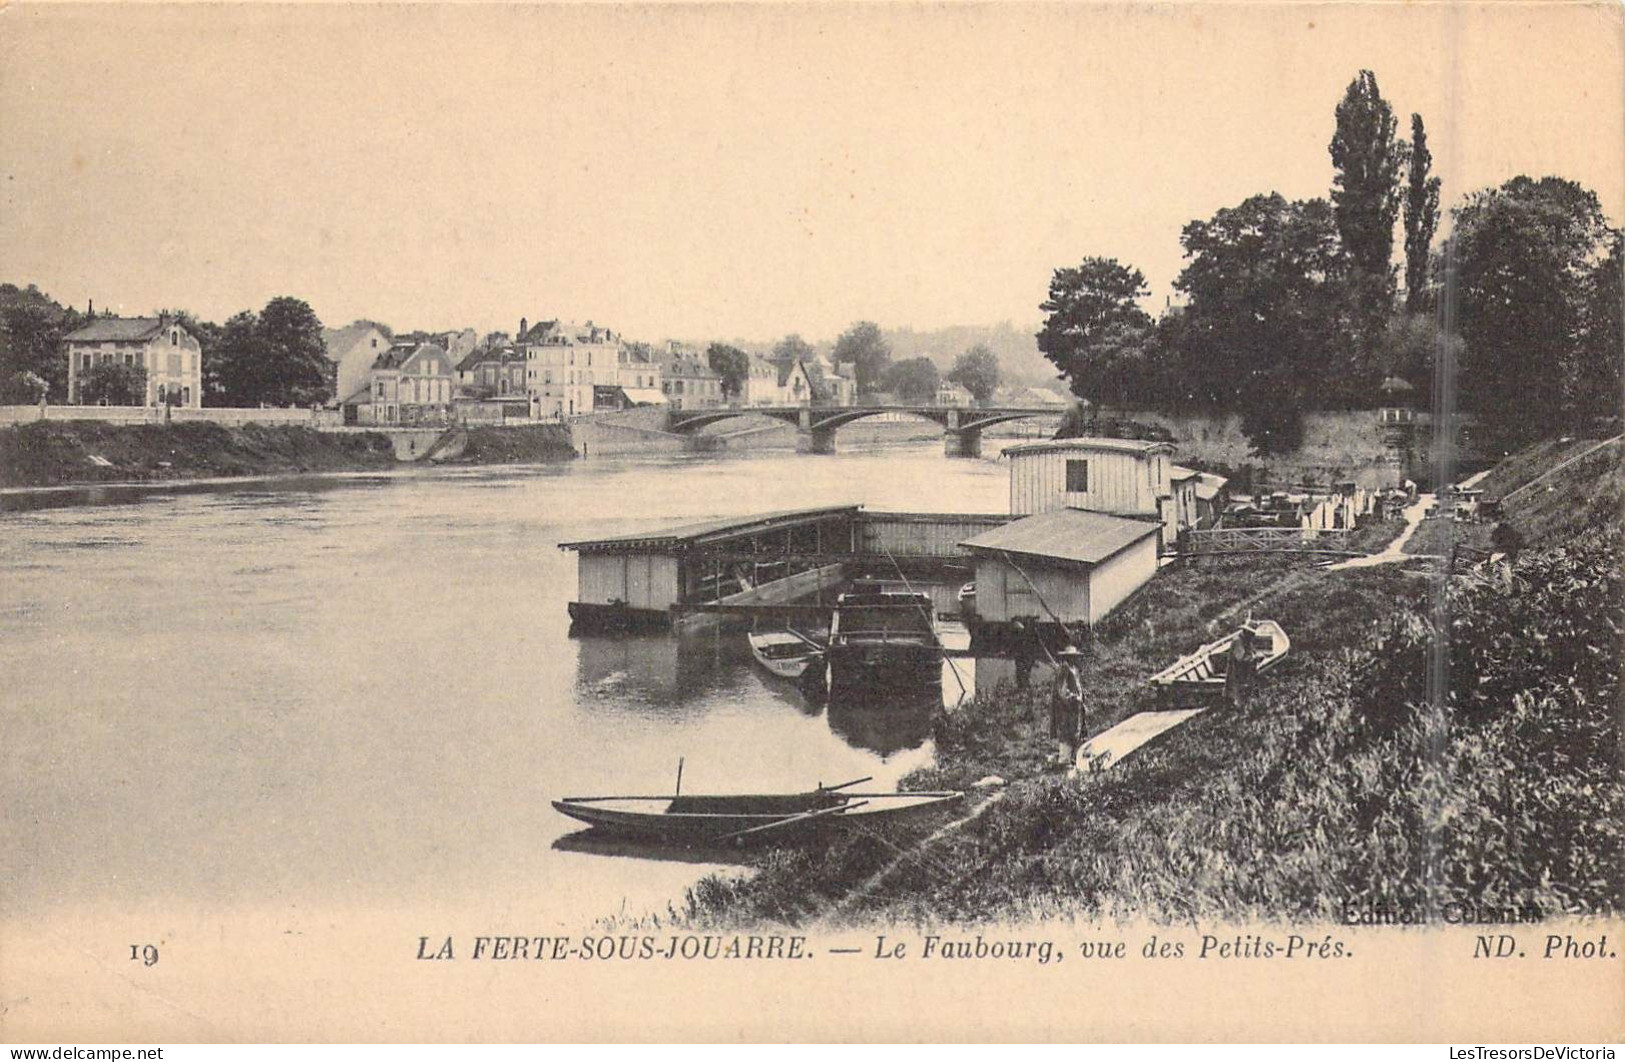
(709, 531)
(401, 353)
(788, 368)
(644, 396)
(1176, 473)
(361, 397)
(338, 341)
(1126, 446)
(1209, 485)
(478, 357)
(1073, 535)
(116, 328)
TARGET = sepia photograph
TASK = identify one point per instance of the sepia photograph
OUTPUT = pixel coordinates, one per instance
(825, 522)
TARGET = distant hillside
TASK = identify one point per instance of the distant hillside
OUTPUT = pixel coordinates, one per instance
(1017, 349)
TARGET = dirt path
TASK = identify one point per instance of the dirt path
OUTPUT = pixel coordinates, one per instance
(1395, 553)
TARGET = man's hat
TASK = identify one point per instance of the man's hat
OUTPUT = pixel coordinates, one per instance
(1070, 650)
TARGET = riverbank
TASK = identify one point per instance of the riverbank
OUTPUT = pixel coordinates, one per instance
(1312, 799)
(89, 453)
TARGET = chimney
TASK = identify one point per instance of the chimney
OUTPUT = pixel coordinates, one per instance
(522, 324)
(90, 310)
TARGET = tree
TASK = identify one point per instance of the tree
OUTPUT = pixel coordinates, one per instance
(1266, 326)
(732, 364)
(296, 370)
(793, 348)
(1525, 253)
(23, 388)
(231, 377)
(914, 381)
(977, 371)
(1597, 379)
(867, 350)
(1421, 216)
(1365, 196)
(32, 325)
(113, 383)
(276, 358)
(1089, 307)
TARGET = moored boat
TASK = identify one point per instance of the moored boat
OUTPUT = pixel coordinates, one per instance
(745, 818)
(1205, 668)
(884, 637)
(786, 654)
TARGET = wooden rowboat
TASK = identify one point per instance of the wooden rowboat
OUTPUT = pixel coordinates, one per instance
(1205, 668)
(746, 818)
(787, 654)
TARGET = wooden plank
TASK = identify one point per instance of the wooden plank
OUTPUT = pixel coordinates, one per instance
(1110, 747)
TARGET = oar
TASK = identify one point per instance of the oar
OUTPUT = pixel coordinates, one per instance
(845, 785)
(806, 816)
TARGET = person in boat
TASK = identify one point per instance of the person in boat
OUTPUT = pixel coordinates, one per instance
(1068, 719)
(1243, 666)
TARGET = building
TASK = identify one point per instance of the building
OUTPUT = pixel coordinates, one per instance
(351, 350)
(795, 384)
(1121, 477)
(564, 362)
(951, 394)
(1212, 498)
(492, 372)
(761, 386)
(1065, 565)
(639, 369)
(1179, 509)
(162, 346)
(832, 385)
(410, 384)
(687, 381)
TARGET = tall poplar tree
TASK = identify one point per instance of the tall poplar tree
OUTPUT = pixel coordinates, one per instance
(1421, 216)
(1365, 190)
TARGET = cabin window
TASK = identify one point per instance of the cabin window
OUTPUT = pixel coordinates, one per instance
(1077, 477)
(174, 337)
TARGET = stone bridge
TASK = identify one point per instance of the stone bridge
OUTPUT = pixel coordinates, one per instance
(816, 425)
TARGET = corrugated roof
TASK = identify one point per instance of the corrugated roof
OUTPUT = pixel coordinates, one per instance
(1130, 446)
(104, 329)
(685, 535)
(1074, 535)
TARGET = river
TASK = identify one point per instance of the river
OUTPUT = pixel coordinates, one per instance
(361, 691)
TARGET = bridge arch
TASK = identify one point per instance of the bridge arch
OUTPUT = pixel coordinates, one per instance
(816, 425)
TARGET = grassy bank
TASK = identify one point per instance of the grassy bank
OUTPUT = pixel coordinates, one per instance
(517, 445)
(49, 453)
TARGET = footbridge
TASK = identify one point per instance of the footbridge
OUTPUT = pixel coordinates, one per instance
(816, 425)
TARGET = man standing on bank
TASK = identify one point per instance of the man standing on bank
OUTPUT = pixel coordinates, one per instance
(1067, 718)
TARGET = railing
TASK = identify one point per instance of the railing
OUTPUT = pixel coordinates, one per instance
(1264, 540)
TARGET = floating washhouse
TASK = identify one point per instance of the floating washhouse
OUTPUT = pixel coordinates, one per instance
(765, 563)
(1088, 521)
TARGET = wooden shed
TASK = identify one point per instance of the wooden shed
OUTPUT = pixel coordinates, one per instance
(1069, 565)
(1123, 477)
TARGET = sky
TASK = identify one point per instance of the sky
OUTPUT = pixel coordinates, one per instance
(726, 171)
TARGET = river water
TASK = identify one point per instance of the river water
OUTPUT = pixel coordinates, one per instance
(364, 690)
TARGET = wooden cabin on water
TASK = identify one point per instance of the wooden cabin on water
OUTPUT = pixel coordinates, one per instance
(1067, 565)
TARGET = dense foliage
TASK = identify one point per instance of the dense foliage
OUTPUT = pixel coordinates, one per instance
(977, 371)
(866, 349)
(730, 363)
